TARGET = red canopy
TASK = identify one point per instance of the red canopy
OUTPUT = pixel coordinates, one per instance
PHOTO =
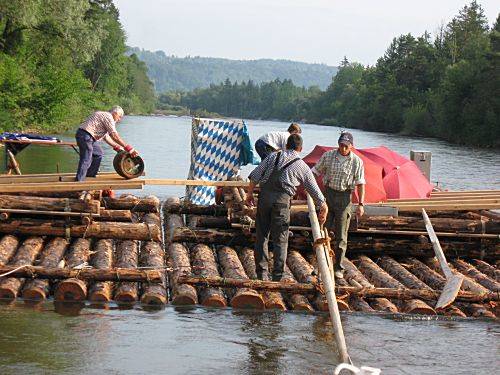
(402, 177)
(384, 157)
(374, 189)
(406, 181)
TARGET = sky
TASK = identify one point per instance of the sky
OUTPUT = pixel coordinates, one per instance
(314, 31)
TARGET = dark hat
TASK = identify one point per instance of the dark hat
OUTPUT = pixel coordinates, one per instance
(346, 138)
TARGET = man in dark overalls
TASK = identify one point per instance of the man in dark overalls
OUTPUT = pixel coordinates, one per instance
(279, 175)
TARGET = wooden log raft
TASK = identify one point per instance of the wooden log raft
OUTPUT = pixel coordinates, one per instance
(191, 209)
(232, 268)
(182, 294)
(74, 289)
(380, 278)
(127, 256)
(172, 223)
(57, 228)
(51, 255)
(49, 204)
(25, 255)
(8, 247)
(472, 272)
(152, 255)
(134, 204)
(204, 265)
(355, 278)
(272, 300)
(358, 244)
(100, 291)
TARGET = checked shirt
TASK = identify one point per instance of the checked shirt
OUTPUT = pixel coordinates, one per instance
(340, 172)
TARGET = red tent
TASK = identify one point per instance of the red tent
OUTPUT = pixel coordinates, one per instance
(406, 181)
(374, 189)
(384, 157)
(402, 177)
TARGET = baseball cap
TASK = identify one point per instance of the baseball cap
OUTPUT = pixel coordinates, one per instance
(346, 138)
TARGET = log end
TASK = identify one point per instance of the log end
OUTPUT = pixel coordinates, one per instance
(247, 299)
(383, 305)
(184, 299)
(214, 301)
(100, 296)
(451, 311)
(152, 298)
(299, 302)
(416, 306)
(71, 290)
(126, 297)
(34, 294)
(7, 293)
(274, 301)
(184, 294)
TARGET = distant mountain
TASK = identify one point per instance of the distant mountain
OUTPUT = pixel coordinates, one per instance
(187, 73)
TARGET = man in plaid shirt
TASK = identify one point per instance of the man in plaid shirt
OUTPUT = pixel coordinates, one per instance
(342, 171)
(279, 175)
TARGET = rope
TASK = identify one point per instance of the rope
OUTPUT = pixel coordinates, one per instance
(14, 270)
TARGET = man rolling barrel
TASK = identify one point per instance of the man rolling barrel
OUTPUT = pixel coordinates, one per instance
(342, 170)
(279, 175)
(275, 141)
(100, 125)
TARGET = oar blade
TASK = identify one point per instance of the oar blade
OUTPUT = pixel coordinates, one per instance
(450, 291)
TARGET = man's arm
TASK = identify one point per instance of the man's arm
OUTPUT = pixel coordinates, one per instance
(256, 175)
(113, 144)
(116, 137)
(320, 167)
(361, 194)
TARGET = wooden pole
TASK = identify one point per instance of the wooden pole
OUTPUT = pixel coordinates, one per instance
(8, 247)
(328, 282)
(205, 265)
(100, 291)
(127, 256)
(153, 255)
(74, 289)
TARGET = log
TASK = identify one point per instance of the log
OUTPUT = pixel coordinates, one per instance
(50, 257)
(232, 268)
(151, 219)
(114, 215)
(152, 255)
(190, 209)
(380, 278)
(358, 244)
(487, 269)
(49, 204)
(100, 291)
(479, 277)
(115, 230)
(296, 302)
(25, 255)
(182, 294)
(205, 265)
(8, 247)
(74, 289)
(134, 204)
(476, 310)
(205, 221)
(90, 274)
(174, 222)
(401, 274)
(439, 224)
(304, 273)
(272, 300)
(127, 256)
(307, 288)
(468, 283)
(357, 303)
(356, 278)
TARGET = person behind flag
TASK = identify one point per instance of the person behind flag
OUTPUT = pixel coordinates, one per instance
(275, 141)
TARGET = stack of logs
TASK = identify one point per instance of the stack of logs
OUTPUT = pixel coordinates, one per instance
(214, 266)
(102, 250)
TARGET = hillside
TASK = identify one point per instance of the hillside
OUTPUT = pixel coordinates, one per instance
(187, 73)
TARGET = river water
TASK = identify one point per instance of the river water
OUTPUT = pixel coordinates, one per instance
(54, 339)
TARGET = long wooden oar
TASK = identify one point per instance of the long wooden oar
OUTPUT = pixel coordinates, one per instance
(453, 281)
(328, 282)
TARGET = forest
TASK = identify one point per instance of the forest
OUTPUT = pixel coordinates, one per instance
(60, 60)
(445, 86)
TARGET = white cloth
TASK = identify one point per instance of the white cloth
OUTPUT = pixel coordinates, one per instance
(276, 140)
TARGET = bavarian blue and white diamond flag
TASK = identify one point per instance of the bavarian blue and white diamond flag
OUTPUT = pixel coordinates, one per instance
(216, 155)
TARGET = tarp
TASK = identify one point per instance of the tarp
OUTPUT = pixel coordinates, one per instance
(218, 149)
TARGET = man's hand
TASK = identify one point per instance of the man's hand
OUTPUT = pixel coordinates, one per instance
(132, 152)
(360, 211)
(249, 201)
(323, 212)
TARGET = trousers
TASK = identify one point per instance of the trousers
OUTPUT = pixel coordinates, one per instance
(90, 155)
(263, 149)
(338, 220)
